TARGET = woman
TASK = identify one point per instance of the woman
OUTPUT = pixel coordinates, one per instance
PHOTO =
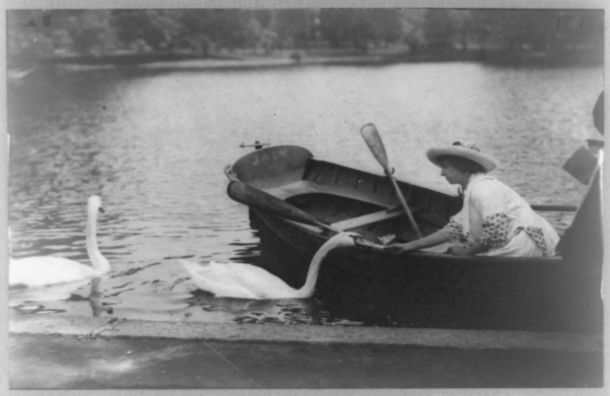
(494, 220)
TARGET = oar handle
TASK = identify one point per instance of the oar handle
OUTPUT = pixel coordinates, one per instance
(554, 208)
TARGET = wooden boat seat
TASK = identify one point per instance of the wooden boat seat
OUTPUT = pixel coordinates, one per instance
(369, 218)
(302, 187)
(307, 187)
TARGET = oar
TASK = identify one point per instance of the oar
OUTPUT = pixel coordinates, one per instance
(373, 140)
(246, 194)
(554, 208)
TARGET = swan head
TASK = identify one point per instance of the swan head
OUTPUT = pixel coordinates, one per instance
(95, 204)
(359, 241)
(348, 238)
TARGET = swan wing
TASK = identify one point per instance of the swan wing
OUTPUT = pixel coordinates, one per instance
(216, 280)
(238, 280)
(266, 284)
(55, 292)
(46, 270)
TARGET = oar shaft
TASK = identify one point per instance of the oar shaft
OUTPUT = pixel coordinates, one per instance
(246, 194)
(373, 141)
(555, 208)
(403, 202)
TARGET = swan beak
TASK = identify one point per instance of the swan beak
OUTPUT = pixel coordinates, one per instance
(360, 242)
(101, 210)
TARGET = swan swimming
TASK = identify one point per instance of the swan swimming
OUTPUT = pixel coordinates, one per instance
(252, 282)
(50, 270)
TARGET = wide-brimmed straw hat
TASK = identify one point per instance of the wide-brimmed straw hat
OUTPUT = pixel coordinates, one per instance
(459, 149)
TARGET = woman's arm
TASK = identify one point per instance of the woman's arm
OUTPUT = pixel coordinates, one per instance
(433, 239)
(467, 251)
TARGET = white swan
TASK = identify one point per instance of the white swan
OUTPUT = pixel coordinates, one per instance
(49, 270)
(249, 281)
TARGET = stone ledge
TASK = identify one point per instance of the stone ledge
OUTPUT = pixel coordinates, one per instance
(461, 339)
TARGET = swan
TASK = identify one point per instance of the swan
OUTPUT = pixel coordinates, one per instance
(249, 281)
(50, 270)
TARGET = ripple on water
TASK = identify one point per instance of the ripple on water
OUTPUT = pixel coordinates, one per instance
(158, 164)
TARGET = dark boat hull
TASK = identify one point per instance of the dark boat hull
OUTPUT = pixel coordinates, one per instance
(424, 289)
(435, 290)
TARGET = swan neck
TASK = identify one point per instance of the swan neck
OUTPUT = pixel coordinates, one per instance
(309, 286)
(99, 262)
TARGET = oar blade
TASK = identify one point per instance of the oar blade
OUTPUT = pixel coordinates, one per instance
(582, 165)
(371, 136)
(373, 139)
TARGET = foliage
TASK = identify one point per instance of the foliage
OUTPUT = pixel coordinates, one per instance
(538, 30)
(440, 27)
(358, 27)
(145, 29)
(37, 33)
(295, 27)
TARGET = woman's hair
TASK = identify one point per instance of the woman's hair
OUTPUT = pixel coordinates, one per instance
(462, 164)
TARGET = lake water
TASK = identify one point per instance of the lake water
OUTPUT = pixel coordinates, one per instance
(153, 145)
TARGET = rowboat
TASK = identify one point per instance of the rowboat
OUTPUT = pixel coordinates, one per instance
(296, 202)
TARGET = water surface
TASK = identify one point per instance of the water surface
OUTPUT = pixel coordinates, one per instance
(153, 146)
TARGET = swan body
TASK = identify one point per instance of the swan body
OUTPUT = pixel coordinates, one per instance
(237, 280)
(252, 282)
(48, 292)
(50, 270)
(47, 270)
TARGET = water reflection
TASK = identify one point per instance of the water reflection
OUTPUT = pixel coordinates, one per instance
(42, 300)
(287, 312)
(96, 297)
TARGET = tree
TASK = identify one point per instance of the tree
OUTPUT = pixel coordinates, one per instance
(226, 27)
(295, 27)
(387, 24)
(440, 28)
(158, 29)
(515, 30)
(37, 33)
(335, 25)
(91, 32)
(358, 27)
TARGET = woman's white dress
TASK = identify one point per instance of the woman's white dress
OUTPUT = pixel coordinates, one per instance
(496, 216)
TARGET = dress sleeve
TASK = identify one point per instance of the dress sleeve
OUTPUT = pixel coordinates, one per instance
(495, 230)
(490, 202)
(454, 229)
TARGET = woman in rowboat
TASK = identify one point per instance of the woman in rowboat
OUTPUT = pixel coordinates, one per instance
(494, 220)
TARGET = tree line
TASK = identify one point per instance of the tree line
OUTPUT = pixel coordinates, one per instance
(39, 33)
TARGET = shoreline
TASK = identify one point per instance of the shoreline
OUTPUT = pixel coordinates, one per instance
(92, 327)
(302, 58)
